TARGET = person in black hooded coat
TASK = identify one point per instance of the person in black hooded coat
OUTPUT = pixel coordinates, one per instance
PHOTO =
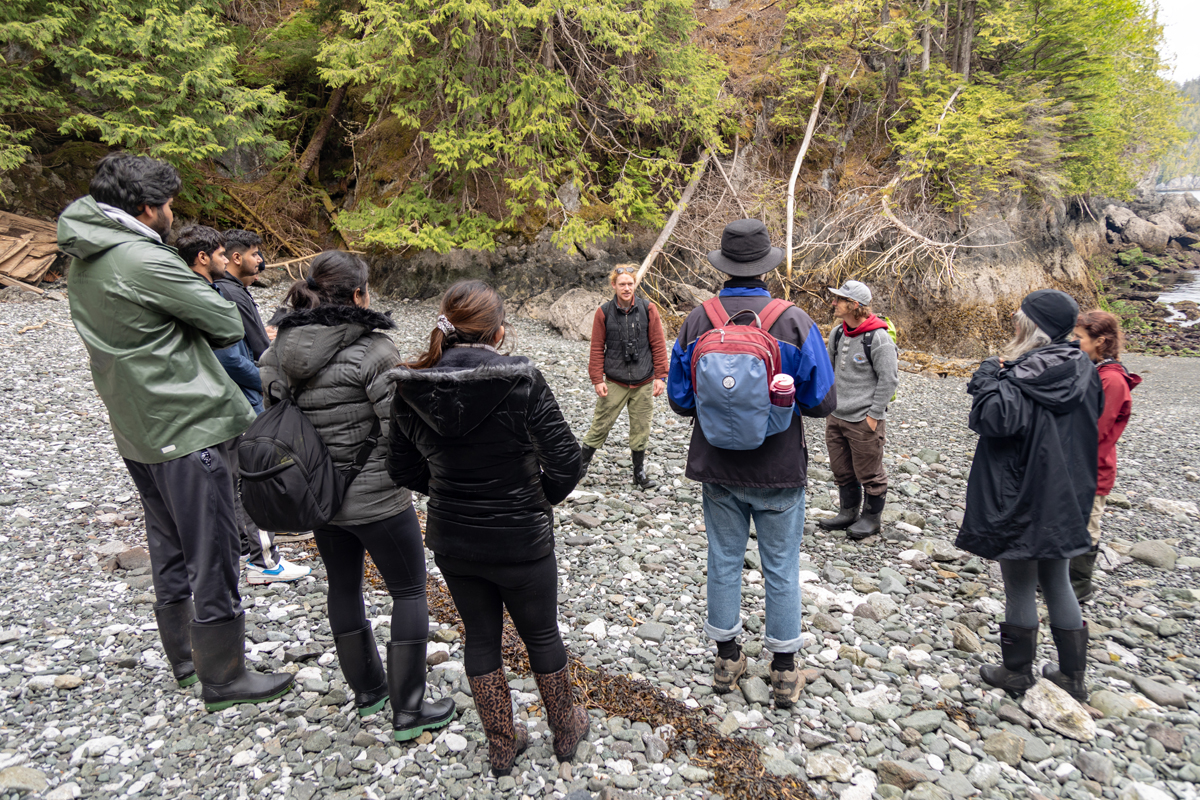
(1032, 485)
(481, 434)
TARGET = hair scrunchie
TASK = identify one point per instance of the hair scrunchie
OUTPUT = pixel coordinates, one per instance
(444, 325)
(311, 283)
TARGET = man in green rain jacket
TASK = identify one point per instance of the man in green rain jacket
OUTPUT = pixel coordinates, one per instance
(150, 325)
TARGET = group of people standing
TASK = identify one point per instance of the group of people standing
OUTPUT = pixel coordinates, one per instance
(184, 364)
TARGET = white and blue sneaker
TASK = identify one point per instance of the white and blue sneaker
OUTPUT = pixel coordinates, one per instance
(282, 572)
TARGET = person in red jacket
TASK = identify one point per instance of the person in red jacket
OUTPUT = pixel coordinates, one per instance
(1100, 337)
(627, 367)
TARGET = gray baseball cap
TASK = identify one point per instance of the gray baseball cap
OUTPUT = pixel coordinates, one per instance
(854, 290)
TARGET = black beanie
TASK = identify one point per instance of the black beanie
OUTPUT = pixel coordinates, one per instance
(1053, 311)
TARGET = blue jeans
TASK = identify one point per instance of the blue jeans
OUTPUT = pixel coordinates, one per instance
(778, 516)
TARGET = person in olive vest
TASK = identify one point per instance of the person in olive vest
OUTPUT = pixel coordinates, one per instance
(627, 367)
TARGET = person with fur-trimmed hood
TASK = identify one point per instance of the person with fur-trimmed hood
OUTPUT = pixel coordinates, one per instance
(866, 374)
(333, 351)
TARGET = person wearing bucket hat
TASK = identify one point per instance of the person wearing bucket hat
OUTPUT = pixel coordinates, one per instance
(1032, 485)
(765, 483)
(867, 372)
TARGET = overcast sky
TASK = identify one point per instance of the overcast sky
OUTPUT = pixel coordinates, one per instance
(1181, 32)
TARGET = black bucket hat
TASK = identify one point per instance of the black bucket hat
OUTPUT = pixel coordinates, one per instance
(746, 250)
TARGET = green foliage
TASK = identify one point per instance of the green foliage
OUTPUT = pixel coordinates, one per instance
(156, 76)
(964, 149)
(414, 219)
(1185, 159)
(1055, 97)
(519, 99)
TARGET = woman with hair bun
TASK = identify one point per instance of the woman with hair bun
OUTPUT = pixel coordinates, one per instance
(1032, 483)
(1100, 337)
(333, 352)
(481, 434)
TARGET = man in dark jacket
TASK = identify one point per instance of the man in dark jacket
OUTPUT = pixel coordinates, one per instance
(245, 261)
(765, 484)
(150, 326)
(628, 369)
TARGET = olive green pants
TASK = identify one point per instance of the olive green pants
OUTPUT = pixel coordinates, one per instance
(641, 408)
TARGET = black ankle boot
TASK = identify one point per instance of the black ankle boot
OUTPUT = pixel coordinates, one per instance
(871, 520)
(1072, 661)
(219, 652)
(406, 681)
(640, 477)
(850, 502)
(359, 659)
(588, 452)
(1018, 647)
(173, 621)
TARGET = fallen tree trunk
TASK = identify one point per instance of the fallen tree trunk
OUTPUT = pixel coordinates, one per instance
(659, 243)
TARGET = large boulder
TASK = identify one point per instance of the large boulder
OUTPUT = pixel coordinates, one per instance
(572, 314)
(1145, 235)
(1118, 217)
(1169, 223)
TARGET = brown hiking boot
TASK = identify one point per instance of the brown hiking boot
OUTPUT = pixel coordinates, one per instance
(568, 722)
(786, 685)
(506, 739)
(727, 671)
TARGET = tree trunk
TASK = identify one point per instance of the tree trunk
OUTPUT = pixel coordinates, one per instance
(309, 157)
(925, 36)
(968, 39)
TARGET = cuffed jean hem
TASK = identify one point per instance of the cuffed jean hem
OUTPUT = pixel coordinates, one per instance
(721, 635)
(778, 646)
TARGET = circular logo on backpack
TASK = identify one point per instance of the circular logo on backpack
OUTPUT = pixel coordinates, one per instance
(728, 382)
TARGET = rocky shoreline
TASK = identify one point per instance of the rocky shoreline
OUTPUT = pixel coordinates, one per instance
(895, 627)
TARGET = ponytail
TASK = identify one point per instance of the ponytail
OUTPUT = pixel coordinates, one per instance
(470, 312)
(333, 278)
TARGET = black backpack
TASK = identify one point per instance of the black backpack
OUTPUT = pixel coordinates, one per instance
(287, 478)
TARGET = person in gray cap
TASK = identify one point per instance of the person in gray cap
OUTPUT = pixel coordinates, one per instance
(866, 371)
(764, 484)
(1032, 486)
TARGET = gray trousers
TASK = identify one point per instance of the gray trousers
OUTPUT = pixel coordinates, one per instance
(191, 530)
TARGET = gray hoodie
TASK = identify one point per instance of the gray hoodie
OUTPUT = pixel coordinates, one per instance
(864, 386)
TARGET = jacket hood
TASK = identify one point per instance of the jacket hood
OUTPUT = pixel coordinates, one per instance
(1117, 368)
(1055, 376)
(871, 323)
(86, 232)
(310, 338)
(453, 402)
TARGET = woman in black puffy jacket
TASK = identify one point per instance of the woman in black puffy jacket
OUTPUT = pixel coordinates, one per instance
(481, 434)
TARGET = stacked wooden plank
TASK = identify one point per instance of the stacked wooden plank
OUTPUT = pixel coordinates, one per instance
(27, 249)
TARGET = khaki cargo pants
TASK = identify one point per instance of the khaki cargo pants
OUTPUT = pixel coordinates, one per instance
(640, 402)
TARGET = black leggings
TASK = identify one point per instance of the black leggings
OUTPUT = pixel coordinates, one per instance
(528, 589)
(396, 548)
(1021, 579)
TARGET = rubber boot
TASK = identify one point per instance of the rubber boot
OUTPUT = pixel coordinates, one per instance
(588, 452)
(173, 620)
(871, 520)
(1072, 661)
(411, 715)
(640, 477)
(219, 652)
(851, 503)
(359, 659)
(1081, 575)
(1018, 646)
(506, 739)
(568, 722)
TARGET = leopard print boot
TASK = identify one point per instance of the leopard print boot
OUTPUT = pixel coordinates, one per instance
(567, 721)
(506, 739)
